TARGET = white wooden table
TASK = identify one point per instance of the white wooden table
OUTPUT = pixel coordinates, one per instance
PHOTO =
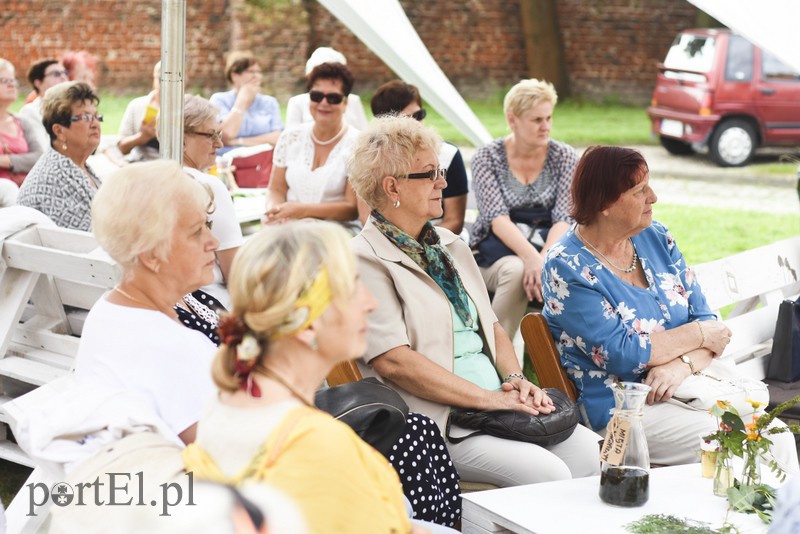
(573, 506)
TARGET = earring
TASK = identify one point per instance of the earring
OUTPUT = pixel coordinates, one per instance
(64, 145)
(397, 203)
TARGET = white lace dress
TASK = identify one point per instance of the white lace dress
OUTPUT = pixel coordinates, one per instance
(295, 152)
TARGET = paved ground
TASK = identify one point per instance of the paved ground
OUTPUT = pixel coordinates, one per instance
(696, 181)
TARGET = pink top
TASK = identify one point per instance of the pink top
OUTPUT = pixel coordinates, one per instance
(16, 144)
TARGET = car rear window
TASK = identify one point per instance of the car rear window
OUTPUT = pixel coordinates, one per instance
(690, 52)
(773, 68)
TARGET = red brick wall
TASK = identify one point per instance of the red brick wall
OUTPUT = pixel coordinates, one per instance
(610, 46)
(125, 37)
(478, 44)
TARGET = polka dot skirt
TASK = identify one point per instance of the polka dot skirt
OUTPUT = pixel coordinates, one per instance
(430, 480)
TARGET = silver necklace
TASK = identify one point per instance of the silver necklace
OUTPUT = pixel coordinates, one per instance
(329, 141)
(635, 255)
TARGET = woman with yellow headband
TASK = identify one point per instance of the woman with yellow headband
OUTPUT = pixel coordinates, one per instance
(298, 310)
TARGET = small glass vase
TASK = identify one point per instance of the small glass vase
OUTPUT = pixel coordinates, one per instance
(751, 472)
(723, 475)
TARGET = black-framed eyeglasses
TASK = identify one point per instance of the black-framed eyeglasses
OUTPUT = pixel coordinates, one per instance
(211, 136)
(86, 117)
(432, 175)
(57, 74)
(332, 98)
(419, 115)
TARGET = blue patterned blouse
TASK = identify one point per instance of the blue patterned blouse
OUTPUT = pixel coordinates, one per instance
(602, 324)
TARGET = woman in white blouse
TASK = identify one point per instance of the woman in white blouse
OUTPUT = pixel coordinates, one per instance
(309, 176)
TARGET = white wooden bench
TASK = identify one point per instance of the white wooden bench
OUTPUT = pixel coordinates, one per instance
(49, 278)
(754, 282)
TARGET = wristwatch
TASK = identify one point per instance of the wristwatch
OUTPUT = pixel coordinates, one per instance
(688, 361)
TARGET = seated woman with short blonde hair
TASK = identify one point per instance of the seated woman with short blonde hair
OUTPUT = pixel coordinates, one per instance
(132, 338)
(434, 338)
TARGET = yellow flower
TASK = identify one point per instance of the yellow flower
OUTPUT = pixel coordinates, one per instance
(755, 404)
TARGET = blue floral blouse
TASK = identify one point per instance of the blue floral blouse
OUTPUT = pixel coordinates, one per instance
(602, 324)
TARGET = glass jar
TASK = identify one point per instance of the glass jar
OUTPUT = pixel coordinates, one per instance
(625, 458)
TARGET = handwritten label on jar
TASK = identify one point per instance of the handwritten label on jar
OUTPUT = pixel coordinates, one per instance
(615, 442)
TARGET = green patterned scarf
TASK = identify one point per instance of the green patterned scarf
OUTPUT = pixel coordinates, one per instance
(432, 258)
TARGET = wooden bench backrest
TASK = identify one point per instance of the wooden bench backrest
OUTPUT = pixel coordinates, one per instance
(344, 373)
(544, 354)
(49, 278)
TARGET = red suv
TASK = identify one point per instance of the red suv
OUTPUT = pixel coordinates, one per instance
(717, 90)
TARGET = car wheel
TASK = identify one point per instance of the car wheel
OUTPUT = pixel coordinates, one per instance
(733, 143)
(676, 146)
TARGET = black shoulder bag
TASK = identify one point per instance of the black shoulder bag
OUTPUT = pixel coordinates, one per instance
(371, 408)
(534, 223)
(544, 429)
(784, 363)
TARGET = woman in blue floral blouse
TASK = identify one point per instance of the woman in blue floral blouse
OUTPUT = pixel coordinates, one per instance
(623, 305)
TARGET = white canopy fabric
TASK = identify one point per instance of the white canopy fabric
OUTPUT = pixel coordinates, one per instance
(383, 27)
(771, 24)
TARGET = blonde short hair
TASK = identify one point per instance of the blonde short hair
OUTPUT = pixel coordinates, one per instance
(197, 111)
(387, 148)
(135, 211)
(527, 94)
(271, 270)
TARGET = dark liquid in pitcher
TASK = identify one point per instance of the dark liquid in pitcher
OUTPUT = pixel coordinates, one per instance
(622, 486)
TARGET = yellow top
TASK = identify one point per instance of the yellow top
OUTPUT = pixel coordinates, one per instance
(341, 484)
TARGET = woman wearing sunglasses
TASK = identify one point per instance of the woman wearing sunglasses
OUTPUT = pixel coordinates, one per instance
(309, 175)
(403, 98)
(434, 338)
(61, 184)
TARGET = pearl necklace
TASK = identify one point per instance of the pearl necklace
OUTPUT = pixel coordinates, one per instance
(635, 255)
(329, 141)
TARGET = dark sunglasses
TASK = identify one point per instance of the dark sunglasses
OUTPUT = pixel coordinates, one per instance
(431, 175)
(332, 98)
(419, 115)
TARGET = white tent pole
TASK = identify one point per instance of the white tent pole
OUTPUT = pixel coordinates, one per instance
(173, 60)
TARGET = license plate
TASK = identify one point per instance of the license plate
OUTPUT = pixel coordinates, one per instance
(671, 128)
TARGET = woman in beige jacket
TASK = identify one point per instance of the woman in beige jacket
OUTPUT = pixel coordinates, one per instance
(434, 337)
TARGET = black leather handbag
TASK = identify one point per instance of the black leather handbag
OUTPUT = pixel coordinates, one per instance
(784, 362)
(534, 223)
(371, 408)
(544, 429)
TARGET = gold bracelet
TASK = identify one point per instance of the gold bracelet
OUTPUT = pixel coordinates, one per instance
(702, 335)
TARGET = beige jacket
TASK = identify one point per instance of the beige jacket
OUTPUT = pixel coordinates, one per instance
(413, 310)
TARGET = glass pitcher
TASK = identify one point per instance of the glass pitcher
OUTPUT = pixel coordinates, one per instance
(625, 458)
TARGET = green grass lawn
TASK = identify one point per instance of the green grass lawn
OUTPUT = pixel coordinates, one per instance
(574, 122)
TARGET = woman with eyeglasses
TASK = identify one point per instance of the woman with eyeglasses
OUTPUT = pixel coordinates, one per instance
(202, 136)
(521, 184)
(309, 174)
(249, 118)
(61, 184)
(434, 338)
(399, 97)
(19, 146)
